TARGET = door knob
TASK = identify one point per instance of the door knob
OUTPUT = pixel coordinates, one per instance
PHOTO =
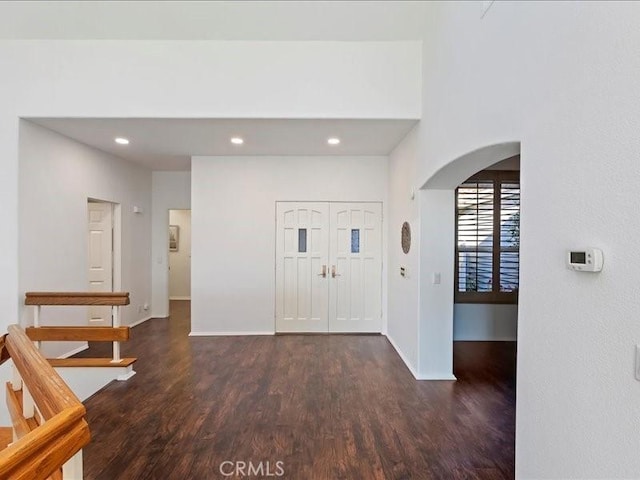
(323, 274)
(333, 272)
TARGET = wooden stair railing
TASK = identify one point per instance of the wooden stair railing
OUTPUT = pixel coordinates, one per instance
(49, 426)
(115, 333)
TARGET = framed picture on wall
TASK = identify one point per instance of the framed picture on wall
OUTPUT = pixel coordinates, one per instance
(174, 232)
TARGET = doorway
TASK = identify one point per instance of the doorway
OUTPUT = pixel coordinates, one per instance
(329, 267)
(487, 254)
(102, 250)
(179, 255)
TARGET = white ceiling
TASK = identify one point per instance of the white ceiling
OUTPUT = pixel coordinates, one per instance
(168, 144)
(214, 20)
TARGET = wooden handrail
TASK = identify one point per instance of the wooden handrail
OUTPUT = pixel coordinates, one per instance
(49, 391)
(63, 431)
(77, 298)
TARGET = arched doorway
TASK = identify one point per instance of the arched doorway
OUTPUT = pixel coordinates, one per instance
(437, 256)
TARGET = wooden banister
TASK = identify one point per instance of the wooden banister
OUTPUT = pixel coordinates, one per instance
(49, 391)
(62, 431)
(115, 333)
(77, 298)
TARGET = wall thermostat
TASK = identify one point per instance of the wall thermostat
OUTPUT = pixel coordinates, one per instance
(585, 260)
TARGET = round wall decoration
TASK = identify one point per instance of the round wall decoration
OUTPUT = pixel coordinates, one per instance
(406, 237)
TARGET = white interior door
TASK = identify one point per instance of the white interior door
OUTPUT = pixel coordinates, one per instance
(100, 242)
(328, 267)
(302, 247)
(355, 287)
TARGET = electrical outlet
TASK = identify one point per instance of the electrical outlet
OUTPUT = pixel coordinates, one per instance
(145, 307)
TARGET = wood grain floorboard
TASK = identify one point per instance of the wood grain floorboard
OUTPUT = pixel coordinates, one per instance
(327, 407)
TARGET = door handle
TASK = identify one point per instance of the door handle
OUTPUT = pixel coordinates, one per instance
(333, 272)
(323, 274)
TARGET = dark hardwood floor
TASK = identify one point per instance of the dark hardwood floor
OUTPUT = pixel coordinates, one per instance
(327, 407)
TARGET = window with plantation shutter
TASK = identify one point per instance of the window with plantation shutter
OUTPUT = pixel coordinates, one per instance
(488, 238)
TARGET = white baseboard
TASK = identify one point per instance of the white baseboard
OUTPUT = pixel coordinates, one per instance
(142, 320)
(228, 334)
(416, 375)
(75, 351)
(437, 376)
(402, 357)
(179, 298)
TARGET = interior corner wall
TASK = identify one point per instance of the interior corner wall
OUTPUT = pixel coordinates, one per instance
(180, 259)
(403, 311)
(170, 190)
(56, 178)
(234, 229)
(562, 79)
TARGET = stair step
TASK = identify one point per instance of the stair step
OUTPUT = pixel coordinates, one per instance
(90, 362)
(90, 334)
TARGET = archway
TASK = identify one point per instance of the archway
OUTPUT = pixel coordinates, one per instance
(437, 259)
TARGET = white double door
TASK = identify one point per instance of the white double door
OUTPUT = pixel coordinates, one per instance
(328, 267)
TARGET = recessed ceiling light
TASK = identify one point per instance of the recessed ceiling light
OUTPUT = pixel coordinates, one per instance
(237, 140)
(333, 141)
(122, 140)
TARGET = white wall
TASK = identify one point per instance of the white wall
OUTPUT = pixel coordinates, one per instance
(180, 260)
(403, 310)
(171, 190)
(485, 322)
(57, 176)
(561, 77)
(234, 228)
(192, 79)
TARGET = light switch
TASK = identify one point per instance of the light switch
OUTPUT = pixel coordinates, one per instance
(437, 278)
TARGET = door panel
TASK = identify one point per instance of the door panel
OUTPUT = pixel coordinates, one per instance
(355, 292)
(301, 251)
(100, 257)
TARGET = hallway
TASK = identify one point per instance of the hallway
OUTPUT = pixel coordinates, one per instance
(327, 407)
